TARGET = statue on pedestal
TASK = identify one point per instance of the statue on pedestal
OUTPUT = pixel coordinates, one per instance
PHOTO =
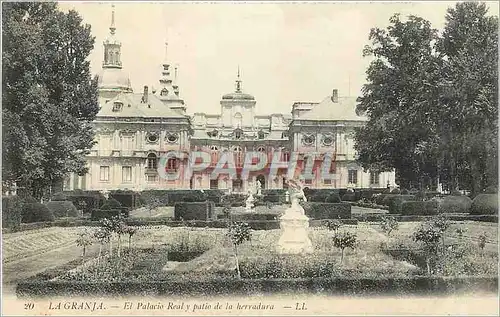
(249, 204)
(294, 224)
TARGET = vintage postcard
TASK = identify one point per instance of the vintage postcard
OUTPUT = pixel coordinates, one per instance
(249, 158)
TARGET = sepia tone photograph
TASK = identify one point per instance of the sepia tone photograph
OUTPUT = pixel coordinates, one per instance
(249, 158)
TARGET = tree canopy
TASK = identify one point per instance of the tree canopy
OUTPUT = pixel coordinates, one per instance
(431, 98)
(49, 98)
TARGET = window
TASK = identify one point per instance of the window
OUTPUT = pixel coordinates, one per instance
(238, 119)
(164, 92)
(327, 181)
(151, 178)
(117, 106)
(308, 181)
(261, 134)
(152, 137)
(104, 174)
(261, 149)
(308, 139)
(284, 135)
(128, 143)
(237, 134)
(327, 140)
(238, 156)
(172, 137)
(286, 156)
(152, 161)
(285, 183)
(374, 178)
(214, 184)
(172, 164)
(126, 174)
(352, 176)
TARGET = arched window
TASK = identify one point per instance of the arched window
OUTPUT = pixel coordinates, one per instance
(238, 156)
(238, 118)
(152, 161)
(261, 149)
(214, 154)
(172, 164)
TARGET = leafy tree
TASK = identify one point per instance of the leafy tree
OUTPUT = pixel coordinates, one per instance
(84, 240)
(432, 100)
(469, 95)
(344, 240)
(333, 225)
(441, 223)
(238, 232)
(399, 99)
(49, 98)
(429, 236)
(389, 224)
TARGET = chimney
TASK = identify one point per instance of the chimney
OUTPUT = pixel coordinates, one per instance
(335, 96)
(145, 95)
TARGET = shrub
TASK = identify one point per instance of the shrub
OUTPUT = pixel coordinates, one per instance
(396, 191)
(395, 202)
(389, 224)
(236, 200)
(455, 204)
(62, 208)
(344, 240)
(455, 193)
(126, 198)
(98, 214)
(405, 192)
(327, 211)
(333, 225)
(36, 212)
(485, 204)
(333, 198)
(349, 196)
(194, 211)
(12, 209)
(84, 200)
(111, 203)
(319, 195)
(421, 208)
(60, 196)
(491, 190)
(156, 197)
(254, 217)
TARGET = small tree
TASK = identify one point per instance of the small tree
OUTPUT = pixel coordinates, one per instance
(429, 236)
(130, 231)
(344, 240)
(389, 224)
(102, 236)
(482, 241)
(333, 225)
(238, 232)
(84, 240)
(441, 223)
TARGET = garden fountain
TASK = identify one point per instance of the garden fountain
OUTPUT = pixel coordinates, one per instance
(294, 224)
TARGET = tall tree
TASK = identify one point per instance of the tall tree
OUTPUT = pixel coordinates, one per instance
(469, 96)
(49, 97)
(399, 99)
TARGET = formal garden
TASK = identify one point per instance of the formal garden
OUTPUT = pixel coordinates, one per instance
(205, 242)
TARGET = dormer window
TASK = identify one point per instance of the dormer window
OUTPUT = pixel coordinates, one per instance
(237, 134)
(164, 92)
(261, 134)
(117, 106)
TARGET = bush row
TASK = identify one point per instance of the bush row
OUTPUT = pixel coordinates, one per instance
(194, 211)
(316, 210)
(231, 286)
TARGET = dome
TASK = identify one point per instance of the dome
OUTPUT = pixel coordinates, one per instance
(114, 78)
(238, 96)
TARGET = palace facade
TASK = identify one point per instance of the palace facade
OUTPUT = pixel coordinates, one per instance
(134, 129)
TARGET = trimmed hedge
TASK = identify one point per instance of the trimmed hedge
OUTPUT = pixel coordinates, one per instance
(333, 198)
(485, 204)
(126, 198)
(231, 286)
(395, 202)
(455, 204)
(12, 207)
(320, 195)
(349, 196)
(422, 208)
(36, 212)
(111, 203)
(316, 210)
(98, 214)
(254, 217)
(236, 200)
(83, 200)
(194, 211)
(159, 197)
(62, 209)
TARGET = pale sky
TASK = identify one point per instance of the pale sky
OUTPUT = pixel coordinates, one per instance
(286, 52)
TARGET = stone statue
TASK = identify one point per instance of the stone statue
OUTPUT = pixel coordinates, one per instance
(258, 188)
(294, 223)
(249, 203)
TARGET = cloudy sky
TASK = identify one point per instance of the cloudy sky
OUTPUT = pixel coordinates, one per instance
(287, 52)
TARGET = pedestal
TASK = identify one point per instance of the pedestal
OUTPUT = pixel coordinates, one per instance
(294, 234)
